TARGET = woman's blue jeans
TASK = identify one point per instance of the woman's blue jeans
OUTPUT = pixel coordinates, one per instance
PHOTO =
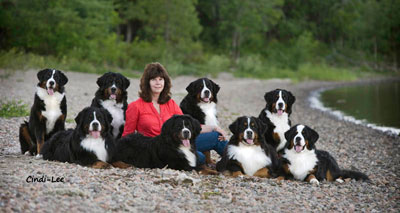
(206, 142)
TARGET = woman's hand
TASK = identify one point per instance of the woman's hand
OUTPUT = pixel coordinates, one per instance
(223, 136)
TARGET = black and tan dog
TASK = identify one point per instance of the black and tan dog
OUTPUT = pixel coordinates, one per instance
(48, 111)
(276, 115)
(302, 161)
(201, 103)
(174, 148)
(247, 153)
(112, 96)
(89, 144)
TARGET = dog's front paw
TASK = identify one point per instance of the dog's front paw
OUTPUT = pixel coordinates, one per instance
(38, 157)
(339, 180)
(101, 165)
(314, 182)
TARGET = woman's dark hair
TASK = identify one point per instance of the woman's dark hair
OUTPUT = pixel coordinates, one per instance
(154, 70)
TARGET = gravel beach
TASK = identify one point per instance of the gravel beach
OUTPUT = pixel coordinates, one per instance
(163, 190)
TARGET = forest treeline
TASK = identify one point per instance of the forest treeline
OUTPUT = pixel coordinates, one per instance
(258, 38)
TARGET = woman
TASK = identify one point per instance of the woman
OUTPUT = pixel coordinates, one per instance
(155, 106)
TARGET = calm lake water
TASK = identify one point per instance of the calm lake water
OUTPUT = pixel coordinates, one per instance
(377, 103)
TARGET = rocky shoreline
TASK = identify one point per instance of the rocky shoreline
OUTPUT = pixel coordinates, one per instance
(84, 189)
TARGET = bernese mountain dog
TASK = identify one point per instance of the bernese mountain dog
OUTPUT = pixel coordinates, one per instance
(89, 144)
(276, 115)
(48, 112)
(112, 96)
(302, 161)
(200, 103)
(173, 148)
(247, 153)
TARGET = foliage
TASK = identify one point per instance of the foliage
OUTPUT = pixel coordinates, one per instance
(259, 38)
(13, 109)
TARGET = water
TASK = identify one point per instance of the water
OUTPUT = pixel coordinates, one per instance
(377, 104)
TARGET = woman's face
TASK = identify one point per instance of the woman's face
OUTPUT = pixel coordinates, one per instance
(157, 85)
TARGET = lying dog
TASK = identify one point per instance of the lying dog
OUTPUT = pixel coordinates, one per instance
(89, 144)
(302, 161)
(48, 112)
(247, 153)
(112, 96)
(174, 147)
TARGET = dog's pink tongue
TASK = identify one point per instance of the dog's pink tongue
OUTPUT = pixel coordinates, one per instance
(206, 99)
(298, 148)
(113, 96)
(280, 112)
(50, 91)
(95, 134)
(249, 141)
(186, 142)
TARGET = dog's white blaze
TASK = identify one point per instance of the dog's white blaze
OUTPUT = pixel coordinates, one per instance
(299, 130)
(280, 100)
(281, 126)
(51, 80)
(190, 156)
(301, 163)
(113, 86)
(184, 128)
(97, 146)
(52, 107)
(248, 130)
(94, 121)
(117, 114)
(210, 110)
(252, 158)
(205, 88)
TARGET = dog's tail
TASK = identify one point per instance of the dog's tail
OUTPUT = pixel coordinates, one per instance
(25, 138)
(354, 175)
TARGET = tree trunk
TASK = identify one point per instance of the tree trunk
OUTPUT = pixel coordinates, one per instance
(129, 32)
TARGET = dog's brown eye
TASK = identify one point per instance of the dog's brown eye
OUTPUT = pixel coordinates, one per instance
(252, 124)
(245, 123)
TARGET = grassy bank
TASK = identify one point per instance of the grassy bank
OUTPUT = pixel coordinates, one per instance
(210, 65)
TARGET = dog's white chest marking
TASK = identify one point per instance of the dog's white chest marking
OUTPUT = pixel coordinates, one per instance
(301, 163)
(252, 158)
(117, 114)
(190, 156)
(281, 126)
(210, 110)
(52, 107)
(97, 146)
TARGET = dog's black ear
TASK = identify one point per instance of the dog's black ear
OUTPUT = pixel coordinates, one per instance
(42, 74)
(216, 88)
(63, 78)
(313, 137)
(196, 126)
(191, 88)
(290, 133)
(261, 126)
(102, 79)
(291, 100)
(234, 126)
(269, 97)
(126, 82)
(167, 127)
(80, 117)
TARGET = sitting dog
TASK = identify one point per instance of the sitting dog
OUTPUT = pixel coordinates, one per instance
(247, 153)
(112, 96)
(302, 161)
(276, 116)
(48, 112)
(201, 102)
(89, 144)
(174, 147)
